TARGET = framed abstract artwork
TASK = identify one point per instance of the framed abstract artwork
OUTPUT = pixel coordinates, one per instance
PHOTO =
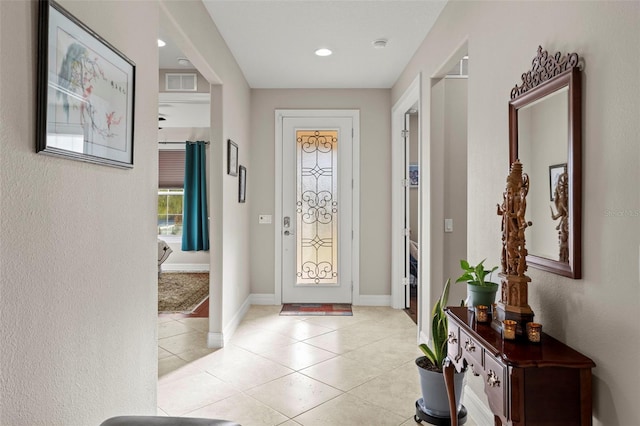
(86, 91)
(242, 185)
(232, 158)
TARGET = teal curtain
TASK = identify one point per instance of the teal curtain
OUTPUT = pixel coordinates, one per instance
(195, 226)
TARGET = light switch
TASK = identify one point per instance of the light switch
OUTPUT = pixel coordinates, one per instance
(264, 218)
(448, 225)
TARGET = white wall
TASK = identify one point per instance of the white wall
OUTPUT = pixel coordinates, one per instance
(375, 176)
(191, 28)
(455, 183)
(595, 314)
(78, 285)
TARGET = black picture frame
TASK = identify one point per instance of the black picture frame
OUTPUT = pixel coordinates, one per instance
(85, 94)
(554, 174)
(242, 185)
(232, 158)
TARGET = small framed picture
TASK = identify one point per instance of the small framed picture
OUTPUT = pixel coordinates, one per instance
(555, 172)
(414, 175)
(242, 185)
(232, 158)
(86, 90)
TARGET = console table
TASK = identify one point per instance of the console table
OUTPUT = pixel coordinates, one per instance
(545, 383)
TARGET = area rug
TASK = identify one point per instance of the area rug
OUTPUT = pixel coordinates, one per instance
(316, 309)
(182, 292)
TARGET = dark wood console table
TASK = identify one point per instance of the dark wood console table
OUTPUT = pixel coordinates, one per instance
(526, 384)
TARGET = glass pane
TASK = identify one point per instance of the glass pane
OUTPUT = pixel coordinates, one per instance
(175, 204)
(317, 207)
(163, 225)
(170, 211)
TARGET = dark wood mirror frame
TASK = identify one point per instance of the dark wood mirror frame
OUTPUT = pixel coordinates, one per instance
(548, 75)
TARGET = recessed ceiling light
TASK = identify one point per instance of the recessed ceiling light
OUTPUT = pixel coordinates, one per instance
(161, 43)
(380, 43)
(184, 62)
(323, 52)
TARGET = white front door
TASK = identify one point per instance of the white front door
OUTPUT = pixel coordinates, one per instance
(317, 211)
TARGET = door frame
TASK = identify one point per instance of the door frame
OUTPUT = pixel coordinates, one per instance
(280, 115)
(409, 98)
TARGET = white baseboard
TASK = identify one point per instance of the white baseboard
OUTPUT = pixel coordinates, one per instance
(231, 328)
(219, 340)
(373, 300)
(215, 340)
(481, 414)
(185, 267)
(423, 337)
(262, 299)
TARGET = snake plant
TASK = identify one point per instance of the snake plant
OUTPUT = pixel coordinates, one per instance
(439, 331)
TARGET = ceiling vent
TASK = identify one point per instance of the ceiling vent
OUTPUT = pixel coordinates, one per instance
(181, 82)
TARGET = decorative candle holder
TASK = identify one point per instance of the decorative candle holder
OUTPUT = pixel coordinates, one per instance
(534, 332)
(509, 329)
(482, 314)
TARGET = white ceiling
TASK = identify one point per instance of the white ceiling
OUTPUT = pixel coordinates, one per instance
(274, 41)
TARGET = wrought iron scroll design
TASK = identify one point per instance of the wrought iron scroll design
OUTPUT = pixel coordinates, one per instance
(544, 67)
(317, 207)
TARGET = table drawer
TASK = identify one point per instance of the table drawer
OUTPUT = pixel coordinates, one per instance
(495, 385)
(472, 351)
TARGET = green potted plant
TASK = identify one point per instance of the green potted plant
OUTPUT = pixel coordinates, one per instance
(479, 291)
(434, 392)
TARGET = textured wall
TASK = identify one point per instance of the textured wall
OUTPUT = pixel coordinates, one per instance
(594, 315)
(78, 247)
(375, 176)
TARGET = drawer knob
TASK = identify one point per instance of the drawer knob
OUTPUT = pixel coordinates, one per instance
(452, 338)
(469, 346)
(492, 379)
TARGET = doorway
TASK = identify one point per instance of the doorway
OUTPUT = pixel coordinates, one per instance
(412, 204)
(406, 193)
(448, 145)
(316, 196)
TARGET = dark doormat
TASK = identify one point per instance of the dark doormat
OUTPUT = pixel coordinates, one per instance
(316, 309)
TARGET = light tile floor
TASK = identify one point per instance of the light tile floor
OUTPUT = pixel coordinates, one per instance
(292, 370)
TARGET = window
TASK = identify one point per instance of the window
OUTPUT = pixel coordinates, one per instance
(170, 211)
(170, 192)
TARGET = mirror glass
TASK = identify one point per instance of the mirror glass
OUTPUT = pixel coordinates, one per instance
(543, 147)
(545, 133)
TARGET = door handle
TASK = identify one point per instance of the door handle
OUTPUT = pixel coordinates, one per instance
(287, 232)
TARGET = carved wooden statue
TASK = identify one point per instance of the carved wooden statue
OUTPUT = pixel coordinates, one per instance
(513, 209)
(513, 303)
(561, 201)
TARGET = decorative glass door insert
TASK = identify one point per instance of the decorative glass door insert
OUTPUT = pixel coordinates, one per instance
(317, 207)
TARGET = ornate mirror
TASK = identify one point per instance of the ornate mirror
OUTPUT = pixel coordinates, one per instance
(545, 134)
